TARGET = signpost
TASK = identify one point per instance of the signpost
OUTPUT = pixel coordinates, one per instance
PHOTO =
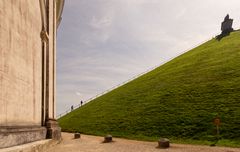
(217, 123)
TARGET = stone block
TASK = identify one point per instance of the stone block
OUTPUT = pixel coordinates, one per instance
(12, 136)
(53, 130)
(107, 139)
(77, 135)
(163, 143)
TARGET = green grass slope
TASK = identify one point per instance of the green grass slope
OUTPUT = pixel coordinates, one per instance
(178, 100)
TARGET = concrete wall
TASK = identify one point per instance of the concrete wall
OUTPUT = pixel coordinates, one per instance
(20, 63)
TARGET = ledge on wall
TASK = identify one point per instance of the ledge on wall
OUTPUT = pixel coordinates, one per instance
(37, 146)
(12, 136)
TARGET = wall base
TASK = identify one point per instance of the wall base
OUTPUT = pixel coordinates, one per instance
(12, 136)
(53, 130)
(37, 146)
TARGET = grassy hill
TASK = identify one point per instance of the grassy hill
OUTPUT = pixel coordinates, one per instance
(178, 100)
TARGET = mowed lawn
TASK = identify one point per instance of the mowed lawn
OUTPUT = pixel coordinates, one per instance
(178, 100)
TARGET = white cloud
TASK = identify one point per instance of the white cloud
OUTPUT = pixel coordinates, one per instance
(78, 94)
(101, 23)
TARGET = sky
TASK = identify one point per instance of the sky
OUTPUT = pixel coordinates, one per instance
(103, 43)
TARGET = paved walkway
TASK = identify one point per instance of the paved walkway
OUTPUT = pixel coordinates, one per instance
(94, 144)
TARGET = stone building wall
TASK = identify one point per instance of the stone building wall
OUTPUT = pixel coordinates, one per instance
(27, 70)
(20, 63)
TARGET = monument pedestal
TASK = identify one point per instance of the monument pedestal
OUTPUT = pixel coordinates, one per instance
(12, 136)
(53, 129)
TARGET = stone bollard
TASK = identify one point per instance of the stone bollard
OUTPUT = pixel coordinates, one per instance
(163, 143)
(77, 135)
(107, 139)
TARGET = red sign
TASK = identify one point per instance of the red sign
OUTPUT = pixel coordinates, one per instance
(217, 121)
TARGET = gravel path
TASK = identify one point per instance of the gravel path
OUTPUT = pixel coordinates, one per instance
(94, 144)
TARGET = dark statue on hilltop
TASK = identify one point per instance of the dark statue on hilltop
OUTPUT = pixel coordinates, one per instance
(226, 27)
(226, 18)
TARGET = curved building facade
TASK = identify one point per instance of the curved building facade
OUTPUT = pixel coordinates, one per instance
(27, 70)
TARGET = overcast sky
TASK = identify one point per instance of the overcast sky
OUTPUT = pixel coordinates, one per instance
(102, 43)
